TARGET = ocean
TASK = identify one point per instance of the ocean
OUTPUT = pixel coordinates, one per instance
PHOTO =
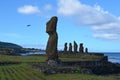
(112, 57)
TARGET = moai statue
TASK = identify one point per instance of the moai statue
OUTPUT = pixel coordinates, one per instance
(86, 50)
(81, 49)
(75, 47)
(70, 47)
(65, 48)
(51, 48)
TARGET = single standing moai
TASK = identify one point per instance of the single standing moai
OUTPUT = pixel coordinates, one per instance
(51, 48)
(81, 49)
(75, 47)
(65, 48)
(70, 47)
(86, 50)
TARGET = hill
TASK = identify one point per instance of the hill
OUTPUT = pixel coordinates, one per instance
(7, 48)
(9, 45)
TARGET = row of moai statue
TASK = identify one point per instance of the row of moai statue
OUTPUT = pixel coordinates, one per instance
(81, 48)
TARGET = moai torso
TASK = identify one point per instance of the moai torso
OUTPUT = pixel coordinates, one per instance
(65, 48)
(51, 48)
(75, 47)
(86, 50)
(70, 47)
(81, 49)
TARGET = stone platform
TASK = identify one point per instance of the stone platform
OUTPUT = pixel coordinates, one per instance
(84, 67)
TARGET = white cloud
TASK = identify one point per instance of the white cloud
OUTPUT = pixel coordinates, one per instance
(84, 14)
(110, 31)
(106, 25)
(12, 35)
(28, 9)
(107, 36)
(68, 7)
(47, 7)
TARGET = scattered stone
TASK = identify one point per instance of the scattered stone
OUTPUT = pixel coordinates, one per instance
(52, 63)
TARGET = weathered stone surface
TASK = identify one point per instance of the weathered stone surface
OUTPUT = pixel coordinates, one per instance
(86, 67)
(75, 47)
(86, 50)
(81, 49)
(51, 48)
(70, 47)
(65, 48)
(52, 63)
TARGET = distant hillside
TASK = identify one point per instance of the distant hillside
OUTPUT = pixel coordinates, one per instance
(9, 45)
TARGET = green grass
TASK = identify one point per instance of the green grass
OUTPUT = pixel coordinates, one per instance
(19, 72)
(43, 58)
(79, 57)
(5, 58)
(77, 77)
(24, 72)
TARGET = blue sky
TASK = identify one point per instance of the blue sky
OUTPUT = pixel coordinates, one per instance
(96, 23)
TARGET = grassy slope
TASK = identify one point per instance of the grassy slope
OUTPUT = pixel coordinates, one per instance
(4, 58)
(9, 45)
(77, 76)
(43, 58)
(24, 72)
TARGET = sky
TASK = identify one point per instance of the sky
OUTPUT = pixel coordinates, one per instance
(95, 23)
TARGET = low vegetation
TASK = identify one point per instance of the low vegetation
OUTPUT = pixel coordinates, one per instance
(79, 57)
(19, 72)
(8, 45)
(43, 58)
(22, 59)
(7, 48)
(24, 72)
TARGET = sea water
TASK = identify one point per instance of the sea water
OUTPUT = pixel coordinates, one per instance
(113, 57)
(32, 53)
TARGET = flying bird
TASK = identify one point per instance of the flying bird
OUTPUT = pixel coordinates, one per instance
(28, 25)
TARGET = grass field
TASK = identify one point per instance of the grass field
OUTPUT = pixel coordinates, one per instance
(19, 72)
(5, 58)
(24, 72)
(43, 58)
